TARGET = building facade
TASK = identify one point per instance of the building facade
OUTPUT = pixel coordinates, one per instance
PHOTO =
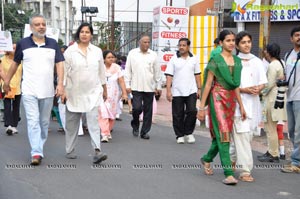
(59, 15)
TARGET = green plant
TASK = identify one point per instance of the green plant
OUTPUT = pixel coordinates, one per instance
(60, 42)
(15, 21)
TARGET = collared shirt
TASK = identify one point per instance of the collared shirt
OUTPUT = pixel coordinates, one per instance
(38, 66)
(293, 92)
(183, 72)
(84, 77)
(142, 71)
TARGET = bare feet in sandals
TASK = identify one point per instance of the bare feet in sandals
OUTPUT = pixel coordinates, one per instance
(246, 178)
(207, 169)
(230, 180)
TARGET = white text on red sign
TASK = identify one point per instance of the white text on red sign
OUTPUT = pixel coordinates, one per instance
(174, 11)
(173, 35)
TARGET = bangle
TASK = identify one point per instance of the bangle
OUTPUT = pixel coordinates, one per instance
(201, 109)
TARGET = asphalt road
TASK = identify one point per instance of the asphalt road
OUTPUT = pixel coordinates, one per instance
(157, 168)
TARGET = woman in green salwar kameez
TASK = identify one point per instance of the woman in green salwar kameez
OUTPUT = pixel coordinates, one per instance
(221, 92)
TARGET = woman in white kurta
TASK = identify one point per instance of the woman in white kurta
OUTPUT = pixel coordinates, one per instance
(85, 89)
(108, 109)
(253, 79)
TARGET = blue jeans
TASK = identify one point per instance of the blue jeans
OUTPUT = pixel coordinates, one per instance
(293, 113)
(38, 117)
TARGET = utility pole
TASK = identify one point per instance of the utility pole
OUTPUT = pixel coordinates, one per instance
(111, 23)
(264, 27)
(2, 7)
(81, 12)
(169, 3)
(67, 23)
(137, 21)
(41, 7)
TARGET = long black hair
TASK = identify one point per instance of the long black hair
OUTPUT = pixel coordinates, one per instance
(274, 51)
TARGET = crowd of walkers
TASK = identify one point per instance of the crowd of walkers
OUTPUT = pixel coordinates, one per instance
(237, 94)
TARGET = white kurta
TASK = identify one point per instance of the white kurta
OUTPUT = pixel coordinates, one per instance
(84, 77)
(253, 74)
(142, 71)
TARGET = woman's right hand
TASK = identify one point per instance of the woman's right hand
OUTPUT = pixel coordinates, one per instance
(201, 115)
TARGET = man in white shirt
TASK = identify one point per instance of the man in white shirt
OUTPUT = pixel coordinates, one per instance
(183, 75)
(143, 79)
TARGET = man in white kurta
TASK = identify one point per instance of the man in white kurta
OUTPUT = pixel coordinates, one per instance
(143, 79)
(253, 79)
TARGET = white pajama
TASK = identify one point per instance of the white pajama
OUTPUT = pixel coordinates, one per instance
(252, 74)
(241, 152)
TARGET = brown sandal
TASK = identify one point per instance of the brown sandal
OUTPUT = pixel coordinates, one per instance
(246, 178)
(207, 169)
(230, 181)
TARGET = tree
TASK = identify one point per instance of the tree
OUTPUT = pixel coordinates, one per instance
(15, 19)
(104, 32)
(60, 42)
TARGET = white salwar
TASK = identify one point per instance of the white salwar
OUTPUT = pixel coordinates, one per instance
(253, 74)
(84, 80)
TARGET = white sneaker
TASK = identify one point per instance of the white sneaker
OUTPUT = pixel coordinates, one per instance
(109, 137)
(104, 139)
(190, 139)
(14, 130)
(9, 130)
(180, 140)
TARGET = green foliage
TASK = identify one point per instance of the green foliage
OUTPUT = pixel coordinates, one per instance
(104, 32)
(14, 22)
(60, 42)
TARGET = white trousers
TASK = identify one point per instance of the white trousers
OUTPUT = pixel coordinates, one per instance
(241, 152)
(72, 126)
(62, 114)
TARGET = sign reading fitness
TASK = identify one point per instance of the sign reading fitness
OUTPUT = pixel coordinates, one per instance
(251, 11)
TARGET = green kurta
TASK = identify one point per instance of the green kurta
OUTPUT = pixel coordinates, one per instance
(221, 102)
